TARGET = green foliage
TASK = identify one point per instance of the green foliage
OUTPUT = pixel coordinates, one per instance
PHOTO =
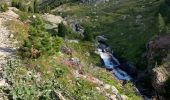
(88, 36)
(40, 40)
(52, 4)
(28, 84)
(25, 5)
(67, 32)
(167, 2)
(3, 7)
(162, 25)
(165, 11)
(84, 90)
(23, 15)
(19, 4)
(35, 5)
(167, 87)
(47, 8)
(62, 30)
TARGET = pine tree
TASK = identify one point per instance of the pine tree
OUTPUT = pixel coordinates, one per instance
(62, 30)
(87, 35)
(35, 6)
(162, 26)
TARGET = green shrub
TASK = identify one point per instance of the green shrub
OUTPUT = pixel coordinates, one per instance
(23, 15)
(167, 87)
(62, 30)
(3, 7)
(167, 2)
(88, 36)
(28, 85)
(39, 41)
(165, 11)
(35, 6)
(162, 25)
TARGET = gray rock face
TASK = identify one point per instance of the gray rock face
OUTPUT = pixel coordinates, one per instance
(94, 1)
(160, 75)
(76, 27)
(52, 18)
(161, 71)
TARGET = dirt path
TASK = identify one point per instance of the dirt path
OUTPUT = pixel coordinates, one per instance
(6, 52)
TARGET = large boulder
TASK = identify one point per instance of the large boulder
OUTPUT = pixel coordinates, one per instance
(77, 28)
(52, 18)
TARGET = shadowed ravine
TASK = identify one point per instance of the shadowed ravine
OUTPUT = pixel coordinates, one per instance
(122, 71)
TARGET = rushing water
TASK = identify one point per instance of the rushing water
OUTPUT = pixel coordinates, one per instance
(112, 64)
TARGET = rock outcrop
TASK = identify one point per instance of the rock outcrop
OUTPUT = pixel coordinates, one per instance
(94, 1)
(7, 48)
(159, 64)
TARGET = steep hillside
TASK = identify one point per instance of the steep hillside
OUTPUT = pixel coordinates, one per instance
(64, 47)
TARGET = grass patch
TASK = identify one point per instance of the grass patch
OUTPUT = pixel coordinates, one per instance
(18, 29)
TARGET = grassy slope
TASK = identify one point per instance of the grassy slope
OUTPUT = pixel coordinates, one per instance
(41, 77)
(127, 38)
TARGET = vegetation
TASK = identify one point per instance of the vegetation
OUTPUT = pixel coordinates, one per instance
(3, 7)
(88, 35)
(62, 30)
(39, 41)
(119, 24)
(26, 5)
(162, 25)
(41, 71)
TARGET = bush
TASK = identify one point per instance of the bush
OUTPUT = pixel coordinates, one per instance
(165, 12)
(167, 2)
(35, 6)
(39, 41)
(162, 25)
(3, 7)
(62, 30)
(88, 36)
(24, 6)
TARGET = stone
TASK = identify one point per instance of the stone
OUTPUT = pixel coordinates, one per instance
(10, 14)
(101, 38)
(98, 88)
(160, 75)
(34, 16)
(11, 36)
(95, 2)
(76, 27)
(107, 86)
(113, 97)
(139, 17)
(124, 97)
(114, 90)
(3, 83)
(52, 18)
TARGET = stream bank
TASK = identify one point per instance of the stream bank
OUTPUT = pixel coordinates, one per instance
(122, 70)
